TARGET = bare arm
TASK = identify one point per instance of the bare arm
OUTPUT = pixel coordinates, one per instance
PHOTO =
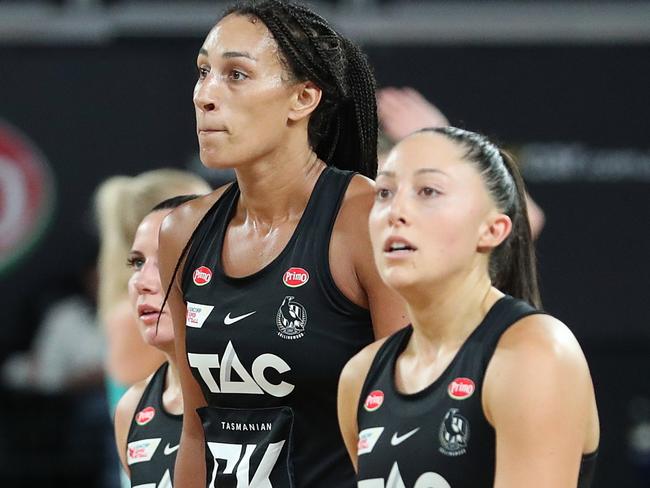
(124, 413)
(189, 471)
(404, 110)
(350, 385)
(539, 397)
(353, 265)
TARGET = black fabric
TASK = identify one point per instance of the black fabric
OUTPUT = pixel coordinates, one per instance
(279, 337)
(153, 437)
(438, 437)
(587, 470)
(248, 446)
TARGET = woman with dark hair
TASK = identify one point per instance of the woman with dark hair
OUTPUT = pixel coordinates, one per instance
(482, 389)
(148, 417)
(272, 283)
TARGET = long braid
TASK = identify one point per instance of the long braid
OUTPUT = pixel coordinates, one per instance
(362, 88)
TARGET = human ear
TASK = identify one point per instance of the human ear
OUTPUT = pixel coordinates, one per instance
(494, 231)
(304, 101)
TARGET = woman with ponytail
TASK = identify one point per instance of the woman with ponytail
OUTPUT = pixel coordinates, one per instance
(483, 389)
(271, 283)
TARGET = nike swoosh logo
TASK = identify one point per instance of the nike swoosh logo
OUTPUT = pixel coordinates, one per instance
(168, 450)
(228, 320)
(398, 439)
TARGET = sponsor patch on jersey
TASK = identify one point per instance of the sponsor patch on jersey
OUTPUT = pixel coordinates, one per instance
(291, 319)
(202, 276)
(141, 451)
(461, 388)
(367, 439)
(295, 277)
(453, 434)
(197, 314)
(145, 415)
(374, 400)
(235, 377)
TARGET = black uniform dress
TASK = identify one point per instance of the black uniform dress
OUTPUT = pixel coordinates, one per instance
(267, 350)
(153, 438)
(438, 437)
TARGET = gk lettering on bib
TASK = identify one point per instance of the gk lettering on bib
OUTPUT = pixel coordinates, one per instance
(248, 448)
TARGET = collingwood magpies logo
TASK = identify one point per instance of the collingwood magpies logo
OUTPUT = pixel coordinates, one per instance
(291, 319)
(453, 434)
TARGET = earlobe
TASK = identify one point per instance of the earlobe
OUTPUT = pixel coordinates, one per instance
(306, 99)
(494, 232)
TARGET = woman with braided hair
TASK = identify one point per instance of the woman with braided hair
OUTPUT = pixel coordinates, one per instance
(272, 286)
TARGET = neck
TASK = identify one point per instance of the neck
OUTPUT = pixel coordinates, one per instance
(173, 380)
(172, 397)
(446, 313)
(278, 186)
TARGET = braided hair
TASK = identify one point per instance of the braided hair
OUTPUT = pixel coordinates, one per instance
(343, 128)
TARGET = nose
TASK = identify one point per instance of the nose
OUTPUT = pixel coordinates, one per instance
(397, 211)
(147, 281)
(205, 93)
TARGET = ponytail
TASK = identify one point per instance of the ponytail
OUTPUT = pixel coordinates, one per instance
(358, 115)
(513, 267)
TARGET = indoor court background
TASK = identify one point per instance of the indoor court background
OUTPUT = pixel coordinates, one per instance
(104, 88)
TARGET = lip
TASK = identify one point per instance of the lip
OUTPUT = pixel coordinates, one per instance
(148, 314)
(398, 240)
(206, 131)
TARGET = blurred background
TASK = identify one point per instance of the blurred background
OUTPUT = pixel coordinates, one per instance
(91, 89)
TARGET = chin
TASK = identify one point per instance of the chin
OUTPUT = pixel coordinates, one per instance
(212, 161)
(399, 279)
(160, 340)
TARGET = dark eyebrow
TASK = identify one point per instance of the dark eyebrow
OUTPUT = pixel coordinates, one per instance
(391, 174)
(430, 170)
(238, 54)
(230, 54)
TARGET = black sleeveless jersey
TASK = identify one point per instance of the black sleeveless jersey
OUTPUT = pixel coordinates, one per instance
(153, 438)
(438, 437)
(268, 348)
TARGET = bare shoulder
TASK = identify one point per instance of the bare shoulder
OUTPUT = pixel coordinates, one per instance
(355, 371)
(358, 200)
(541, 335)
(129, 402)
(542, 357)
(181, 222)
(178, 226)
(124, 413)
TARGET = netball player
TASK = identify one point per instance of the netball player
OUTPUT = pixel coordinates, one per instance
(278, 288)
(148, 418)
(482, 389)
(121, 202)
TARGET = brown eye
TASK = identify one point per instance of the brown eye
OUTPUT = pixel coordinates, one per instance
(427, 191)
(237, 75)
(203, 72)
(382, 194)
